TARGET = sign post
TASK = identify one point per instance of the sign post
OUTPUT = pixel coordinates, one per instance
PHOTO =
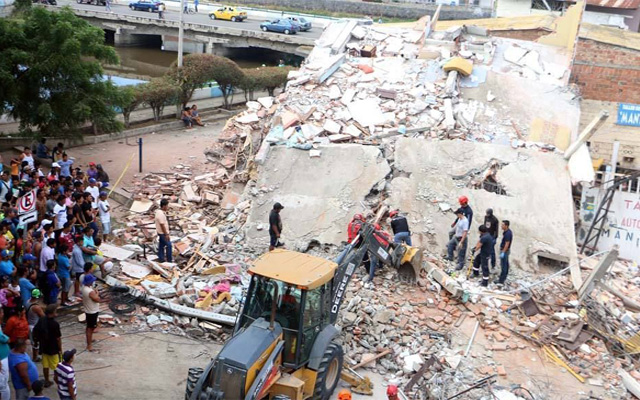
(27, 212)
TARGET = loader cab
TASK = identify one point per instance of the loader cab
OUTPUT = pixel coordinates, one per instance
(296, 288)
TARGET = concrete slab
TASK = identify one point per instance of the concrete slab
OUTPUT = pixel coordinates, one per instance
(538, 201)
(320, 194)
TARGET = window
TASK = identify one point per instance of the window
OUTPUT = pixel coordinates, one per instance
(315, 317)
(260, 299)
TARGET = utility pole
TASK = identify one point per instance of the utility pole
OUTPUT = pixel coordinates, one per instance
(181, 33)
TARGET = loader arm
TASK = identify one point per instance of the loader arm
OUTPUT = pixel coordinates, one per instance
(367, 240)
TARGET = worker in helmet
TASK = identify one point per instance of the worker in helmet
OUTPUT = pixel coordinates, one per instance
(400, 228)
(392, 392)
(458, 240)
(370, 262)
(354, 227)
(468, 212)
(493, 225)
(344, 394)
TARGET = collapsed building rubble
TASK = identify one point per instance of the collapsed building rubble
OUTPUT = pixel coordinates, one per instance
(362, 128)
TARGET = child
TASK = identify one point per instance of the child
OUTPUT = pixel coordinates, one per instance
(64, 273)
(7, 296)
(14, 288)
(38, 387)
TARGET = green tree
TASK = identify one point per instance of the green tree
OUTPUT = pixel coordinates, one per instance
(101, 106)
(249, 83)
(194, 73)
(22, 6)
(271, 78)
(158, 93)
(128, 98)
(226, 73)
(51, 73)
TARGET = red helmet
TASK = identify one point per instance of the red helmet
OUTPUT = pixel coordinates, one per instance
(358, 217)
(392, 390)
(463, 200)
(344, 394)
(393, 213)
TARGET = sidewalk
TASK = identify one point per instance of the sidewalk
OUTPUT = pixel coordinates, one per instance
(146, 114)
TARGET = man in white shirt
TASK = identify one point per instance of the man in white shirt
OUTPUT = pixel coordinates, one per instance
(60, 212)
(459, 239)
(105, 215)
(5, 185)
(94, 190)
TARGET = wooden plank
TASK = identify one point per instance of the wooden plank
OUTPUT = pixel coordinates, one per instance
(379, 355)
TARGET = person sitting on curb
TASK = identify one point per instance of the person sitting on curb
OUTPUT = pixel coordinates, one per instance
(195, 115)
(186, 118)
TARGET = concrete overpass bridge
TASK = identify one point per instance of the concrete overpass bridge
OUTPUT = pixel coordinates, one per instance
(135, 29)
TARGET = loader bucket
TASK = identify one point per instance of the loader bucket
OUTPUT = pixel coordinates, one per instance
(410, 264)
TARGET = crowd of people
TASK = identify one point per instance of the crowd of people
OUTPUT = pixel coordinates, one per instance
(50, 260)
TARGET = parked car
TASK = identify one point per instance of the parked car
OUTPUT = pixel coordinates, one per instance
(229, 14)
(96, 2)
(49, 2)
(145, 5)
(303, 23)
(280, 25)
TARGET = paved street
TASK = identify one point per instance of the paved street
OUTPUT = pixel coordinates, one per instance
(122, 8)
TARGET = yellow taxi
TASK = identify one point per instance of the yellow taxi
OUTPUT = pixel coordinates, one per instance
(229, 14)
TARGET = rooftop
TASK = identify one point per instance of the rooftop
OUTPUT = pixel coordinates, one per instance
(294, 268)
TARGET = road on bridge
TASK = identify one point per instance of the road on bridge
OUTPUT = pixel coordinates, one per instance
(122, 8)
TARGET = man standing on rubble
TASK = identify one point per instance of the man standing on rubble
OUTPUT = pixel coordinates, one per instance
(485, 244)
(162, 227)
(400, 227)
(275, 226)
(491, 222)
(459, 239)
(505, 250)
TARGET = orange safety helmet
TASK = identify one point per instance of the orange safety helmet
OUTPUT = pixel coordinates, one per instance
(392, 391)
(358, 217)
(463, 200)
(393, 213)
(344, 394)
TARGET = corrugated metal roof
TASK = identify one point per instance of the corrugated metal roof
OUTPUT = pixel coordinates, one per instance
(627, 4)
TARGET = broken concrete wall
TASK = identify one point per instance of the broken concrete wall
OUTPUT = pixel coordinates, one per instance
(320, 194)
(538, 199)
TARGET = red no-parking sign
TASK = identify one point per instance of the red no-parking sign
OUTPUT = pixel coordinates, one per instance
(27, 203)
(27, 208)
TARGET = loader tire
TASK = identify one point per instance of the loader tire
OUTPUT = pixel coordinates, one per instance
(192, 379)
(328, 372)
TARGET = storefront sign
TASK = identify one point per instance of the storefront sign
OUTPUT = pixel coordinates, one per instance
(628, 114)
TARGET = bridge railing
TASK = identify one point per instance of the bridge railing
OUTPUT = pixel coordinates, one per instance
(196, 27)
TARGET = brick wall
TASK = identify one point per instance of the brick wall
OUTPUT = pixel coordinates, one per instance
(606, 72)
(529, 34)
(601, 143)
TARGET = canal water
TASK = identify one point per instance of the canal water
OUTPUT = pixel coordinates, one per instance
(150, 62)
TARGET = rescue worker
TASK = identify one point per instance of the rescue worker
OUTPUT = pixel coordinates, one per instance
(354, 227)
(400, 228)
(466, 210)
(482, 260)
(492, 223)
(392, 392)
(459, 239)
(344, 394)
(275, 227)
(505, 250)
